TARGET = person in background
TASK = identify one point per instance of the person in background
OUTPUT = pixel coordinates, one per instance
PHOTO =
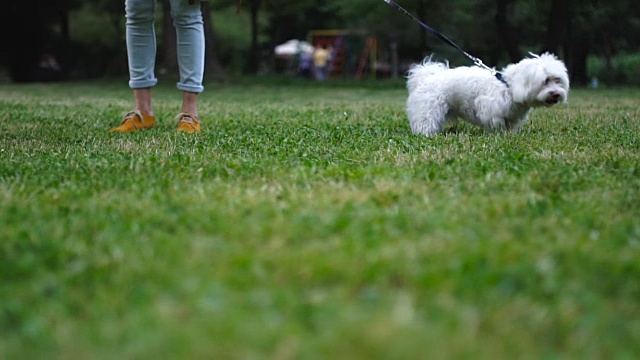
(321, 62)
(305, 64)
(141, 52)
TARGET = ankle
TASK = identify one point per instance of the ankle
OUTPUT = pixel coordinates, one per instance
(148, 113)
(190, 111)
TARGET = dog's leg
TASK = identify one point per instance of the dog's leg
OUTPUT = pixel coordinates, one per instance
(427, 115)
(514, 125)
(491, 113)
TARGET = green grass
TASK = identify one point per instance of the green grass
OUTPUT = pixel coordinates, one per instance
(307, 222)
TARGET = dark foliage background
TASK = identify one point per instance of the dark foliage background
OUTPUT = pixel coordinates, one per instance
(596, 38)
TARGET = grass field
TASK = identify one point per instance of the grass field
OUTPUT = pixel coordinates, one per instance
(308, 222)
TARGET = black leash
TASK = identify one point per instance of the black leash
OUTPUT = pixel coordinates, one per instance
(435, 32)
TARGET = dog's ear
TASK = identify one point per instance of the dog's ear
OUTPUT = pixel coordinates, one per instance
(524, 80)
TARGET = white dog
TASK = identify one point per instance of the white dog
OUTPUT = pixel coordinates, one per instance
(438, 93)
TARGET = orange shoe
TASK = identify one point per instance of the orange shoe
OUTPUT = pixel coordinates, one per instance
(135, 121)
(188, 123)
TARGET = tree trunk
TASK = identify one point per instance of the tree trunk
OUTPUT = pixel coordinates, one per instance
(24, 49)
(254, 52)
(65, 34)
(578, 62)
(421, 13)
(505, 32)
(169, 57)
(576, 47)
(213, 68)
(557, 26)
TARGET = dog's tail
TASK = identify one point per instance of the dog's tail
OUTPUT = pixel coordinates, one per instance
(425, 69)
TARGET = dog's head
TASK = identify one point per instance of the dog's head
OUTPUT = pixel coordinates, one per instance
(538, 80)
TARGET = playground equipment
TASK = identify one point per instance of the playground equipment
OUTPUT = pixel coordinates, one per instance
(353, 52)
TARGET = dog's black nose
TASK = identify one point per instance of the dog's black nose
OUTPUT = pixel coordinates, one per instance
(555, 95)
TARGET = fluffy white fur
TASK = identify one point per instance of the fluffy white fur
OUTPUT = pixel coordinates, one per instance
(438, 93)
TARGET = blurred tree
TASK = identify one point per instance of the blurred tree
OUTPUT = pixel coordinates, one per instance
(97, 39)
(45, 36)
(505, 31)
(596, 27)
(213, 67)
(253, 63)
(87, 35)
(557, 29)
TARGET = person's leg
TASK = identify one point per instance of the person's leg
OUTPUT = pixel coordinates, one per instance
(190, 103)
(143, 99)
(141, 52)
(187, 19)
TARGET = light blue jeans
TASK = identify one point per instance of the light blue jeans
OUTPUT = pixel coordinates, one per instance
(141, 43)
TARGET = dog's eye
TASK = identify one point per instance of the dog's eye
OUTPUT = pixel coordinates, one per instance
(551, 79)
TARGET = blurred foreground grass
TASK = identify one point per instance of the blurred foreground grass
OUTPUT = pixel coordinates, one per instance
(307, 222)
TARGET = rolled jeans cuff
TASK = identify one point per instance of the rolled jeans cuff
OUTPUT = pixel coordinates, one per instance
(141, 84)
(190, 88)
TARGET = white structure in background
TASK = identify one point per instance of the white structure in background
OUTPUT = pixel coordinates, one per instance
(292, 48)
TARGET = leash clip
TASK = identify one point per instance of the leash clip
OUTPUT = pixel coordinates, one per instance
(477, 62)
(497, 74)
